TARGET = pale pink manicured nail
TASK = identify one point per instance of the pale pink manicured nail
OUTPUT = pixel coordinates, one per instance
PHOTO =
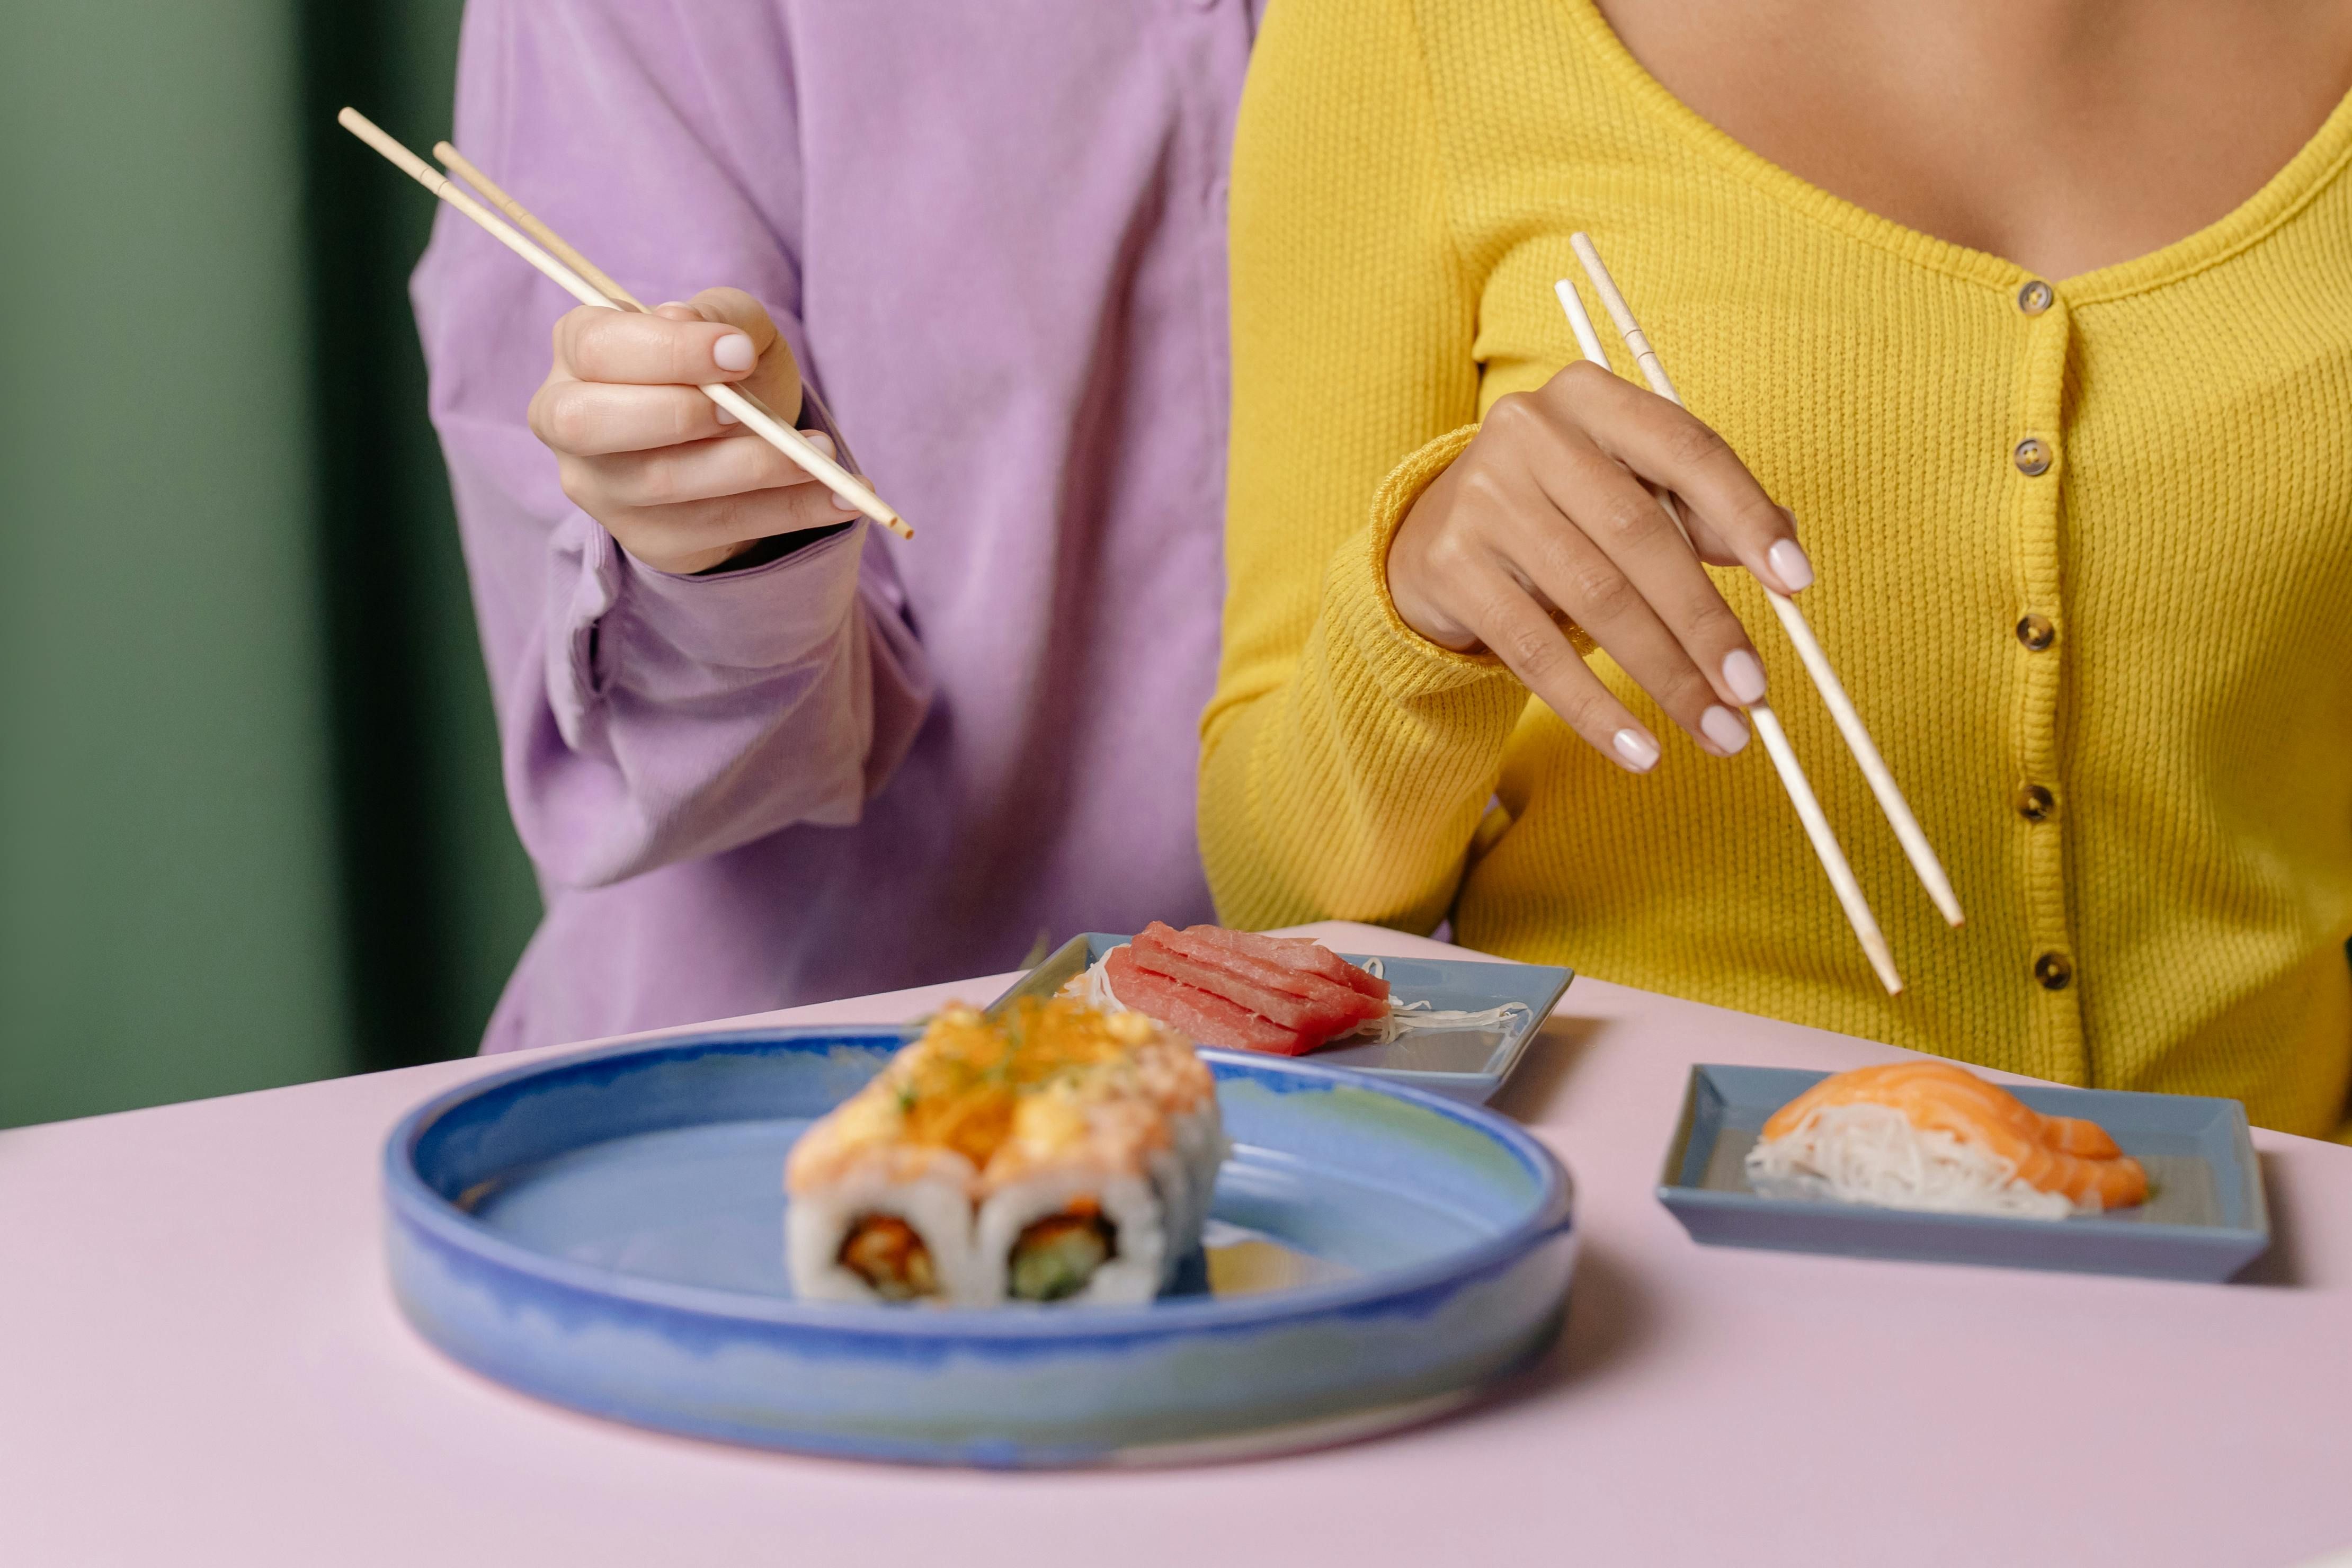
(844, 502)
(1743, 675)
(822, 442)
(1639, 751)
(1787, 558)
(1725, 729)
(734, 352)
(724, 414)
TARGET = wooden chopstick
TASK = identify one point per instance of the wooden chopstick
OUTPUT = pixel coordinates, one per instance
(760, 420)
(1768, 723)
(526, 220)
(530, 223)
(1915, 848)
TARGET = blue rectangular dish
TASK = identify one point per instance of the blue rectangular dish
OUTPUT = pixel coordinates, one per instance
(1467, 1064)
(2205, 1219)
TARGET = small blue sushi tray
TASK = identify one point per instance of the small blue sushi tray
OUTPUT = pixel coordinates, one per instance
(2204, 1220)
(1460, 1064)
(606, 1231)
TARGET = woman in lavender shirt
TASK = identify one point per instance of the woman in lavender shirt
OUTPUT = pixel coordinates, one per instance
(759, 753)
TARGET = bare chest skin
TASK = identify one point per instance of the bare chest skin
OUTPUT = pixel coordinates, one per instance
(2065, 135)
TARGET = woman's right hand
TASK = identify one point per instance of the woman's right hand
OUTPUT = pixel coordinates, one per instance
(1546, 513)
(675, 479)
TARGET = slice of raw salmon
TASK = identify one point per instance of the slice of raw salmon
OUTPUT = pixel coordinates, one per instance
(2053, 1153)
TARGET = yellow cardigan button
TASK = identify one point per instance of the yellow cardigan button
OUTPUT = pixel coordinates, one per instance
(2035, 298)
(2032, 457)
(2036, 633)
(2055, 971)
(2033, 803)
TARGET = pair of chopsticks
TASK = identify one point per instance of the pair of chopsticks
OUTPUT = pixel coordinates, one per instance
(586, 282)
(1921, 854)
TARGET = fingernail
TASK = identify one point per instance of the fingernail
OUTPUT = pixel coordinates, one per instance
(822, 442)
(844, 502)
(734, 352)
(724, 414)
(1725, 729)
(1743, 675)
(1639, 751)
(1787, 562)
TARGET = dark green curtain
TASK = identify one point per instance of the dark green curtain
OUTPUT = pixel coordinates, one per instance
(250, 825)
(441, 897)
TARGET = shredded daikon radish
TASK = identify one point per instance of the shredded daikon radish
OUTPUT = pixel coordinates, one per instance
(1093, 988)
(1873, 1154)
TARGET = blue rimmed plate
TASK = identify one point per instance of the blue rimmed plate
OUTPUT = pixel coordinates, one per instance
(606, 1231)
(1460, 1064)
(2205, 1217)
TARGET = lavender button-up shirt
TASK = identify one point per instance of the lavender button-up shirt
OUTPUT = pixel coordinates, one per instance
(992, 230)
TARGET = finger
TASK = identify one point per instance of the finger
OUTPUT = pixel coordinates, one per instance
(1669, 447)
(1788, 557)
(1654, 567)
(736, 309)
(698, 471)
(1572, 571)
(1515, 629)
(588, 418)
(776, 380)
(649, 349)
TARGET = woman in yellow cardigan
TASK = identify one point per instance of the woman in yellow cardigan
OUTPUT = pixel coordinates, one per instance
(2074, 527)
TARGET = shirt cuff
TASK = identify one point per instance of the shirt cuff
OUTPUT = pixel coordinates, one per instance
(756, 618)
(1355, 590)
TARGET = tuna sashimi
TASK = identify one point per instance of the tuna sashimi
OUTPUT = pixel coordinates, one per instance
(1209, 1019)
(1318, 1016)
(1293, 998)
(1292, 952)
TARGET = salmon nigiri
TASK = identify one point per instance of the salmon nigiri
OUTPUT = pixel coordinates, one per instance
(1968, 1144)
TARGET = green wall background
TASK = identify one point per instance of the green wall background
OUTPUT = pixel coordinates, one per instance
(250, 827)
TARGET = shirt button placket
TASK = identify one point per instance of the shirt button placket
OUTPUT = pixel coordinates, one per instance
(2036, 516)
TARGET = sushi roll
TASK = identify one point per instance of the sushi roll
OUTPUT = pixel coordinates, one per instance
(1083, 1202)
(1181, 1084)
(876, 1215)
(1056, 1156)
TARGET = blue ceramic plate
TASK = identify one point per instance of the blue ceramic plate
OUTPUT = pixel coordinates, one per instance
(606, 1231)
(2205, 1218)
(1460, 1064)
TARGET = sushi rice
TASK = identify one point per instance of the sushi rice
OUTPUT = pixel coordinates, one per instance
(1060, 1154)
(1865, 1154)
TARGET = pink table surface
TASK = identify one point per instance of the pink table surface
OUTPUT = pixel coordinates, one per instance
(200, 1364)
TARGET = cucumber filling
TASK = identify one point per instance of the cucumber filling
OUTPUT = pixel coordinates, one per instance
(1055, 1257)
(884, 1250)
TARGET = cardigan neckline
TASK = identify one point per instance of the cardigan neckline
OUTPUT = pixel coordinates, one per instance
(2300, 181)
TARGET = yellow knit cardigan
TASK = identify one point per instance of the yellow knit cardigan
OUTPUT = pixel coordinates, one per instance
(2156, 628)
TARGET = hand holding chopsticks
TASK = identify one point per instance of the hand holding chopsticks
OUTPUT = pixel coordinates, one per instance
(1921, 854)
(591, 287)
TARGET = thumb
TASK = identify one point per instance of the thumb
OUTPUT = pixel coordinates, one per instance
(776, 379)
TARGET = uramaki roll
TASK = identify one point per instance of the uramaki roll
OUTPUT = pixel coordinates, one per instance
(1056, 1155)
(1083, 1201)
(877, 1215)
